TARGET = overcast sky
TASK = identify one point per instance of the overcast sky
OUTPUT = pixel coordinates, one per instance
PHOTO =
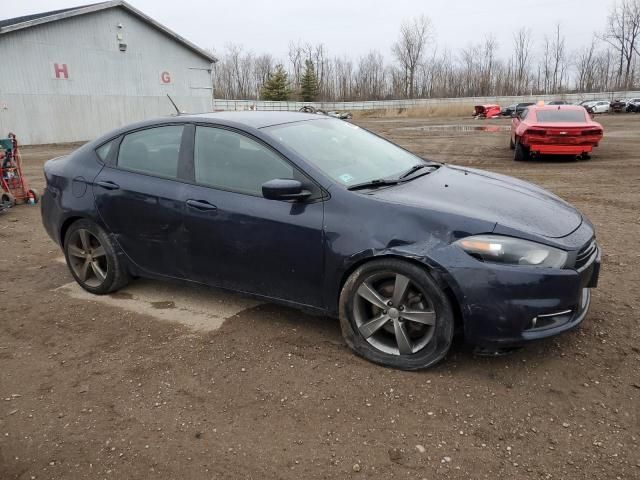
(353, 27)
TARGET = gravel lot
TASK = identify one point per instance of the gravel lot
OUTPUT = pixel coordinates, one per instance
(97, 390)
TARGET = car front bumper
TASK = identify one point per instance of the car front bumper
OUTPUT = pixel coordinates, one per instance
(506, 306)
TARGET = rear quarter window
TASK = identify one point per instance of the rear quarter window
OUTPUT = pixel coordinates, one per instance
(104, 151)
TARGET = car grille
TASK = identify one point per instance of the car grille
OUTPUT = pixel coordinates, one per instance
(585, 254)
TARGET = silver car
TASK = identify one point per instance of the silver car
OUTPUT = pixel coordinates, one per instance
(600, 106)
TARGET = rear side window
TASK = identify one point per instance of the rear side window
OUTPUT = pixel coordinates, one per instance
(550, 116)
(154, 151)
(234, 162)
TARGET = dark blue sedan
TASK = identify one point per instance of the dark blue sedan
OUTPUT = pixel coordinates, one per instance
(322, 215)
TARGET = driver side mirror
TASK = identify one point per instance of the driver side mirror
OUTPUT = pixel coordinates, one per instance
(284, 189)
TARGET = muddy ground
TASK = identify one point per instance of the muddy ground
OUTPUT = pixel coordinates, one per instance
(94, 390)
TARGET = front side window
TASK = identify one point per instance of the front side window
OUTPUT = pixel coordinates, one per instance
(345, 152)
(154, 151)
(230, 161)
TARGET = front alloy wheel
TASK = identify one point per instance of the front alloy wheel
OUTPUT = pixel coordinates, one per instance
(394, 313)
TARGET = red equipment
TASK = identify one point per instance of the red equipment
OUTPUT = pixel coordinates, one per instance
(487, 111)
(12, 182)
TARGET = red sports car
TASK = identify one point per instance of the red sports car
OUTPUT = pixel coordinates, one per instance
(554, 130)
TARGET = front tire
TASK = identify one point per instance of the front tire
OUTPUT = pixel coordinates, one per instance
(393, 313)
(92, 259)
(33, 194)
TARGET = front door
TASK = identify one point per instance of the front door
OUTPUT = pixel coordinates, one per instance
(239, 240)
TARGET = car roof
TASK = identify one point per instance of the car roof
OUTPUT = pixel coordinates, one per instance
(258, 119)
(246, 119)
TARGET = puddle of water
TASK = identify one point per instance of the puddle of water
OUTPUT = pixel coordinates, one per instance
(447, 129)
(198, 307)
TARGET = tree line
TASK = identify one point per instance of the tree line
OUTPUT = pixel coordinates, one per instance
(419, 69)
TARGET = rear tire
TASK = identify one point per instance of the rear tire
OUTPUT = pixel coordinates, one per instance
(414, 333)
(92, 259)
(521, 152)
(8, 199)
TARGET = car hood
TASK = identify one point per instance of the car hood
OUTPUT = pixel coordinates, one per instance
(506, 201)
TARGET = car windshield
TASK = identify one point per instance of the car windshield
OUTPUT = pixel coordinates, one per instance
(553, 116)
(345, 152)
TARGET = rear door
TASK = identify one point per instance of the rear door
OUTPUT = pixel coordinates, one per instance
(141, 199)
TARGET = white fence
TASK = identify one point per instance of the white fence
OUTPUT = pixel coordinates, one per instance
(221, 104)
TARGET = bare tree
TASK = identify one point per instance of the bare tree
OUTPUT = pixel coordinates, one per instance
(476, 70)
(522, 44)
(409, 48)
(559, 60)
(623, 34)
(585, 67)
(487, 65)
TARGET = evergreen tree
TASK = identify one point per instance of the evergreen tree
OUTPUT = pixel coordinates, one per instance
(277, 86)
(309, 83)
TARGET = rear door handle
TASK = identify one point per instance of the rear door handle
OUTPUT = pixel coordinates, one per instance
(201, 205)
(108, 185)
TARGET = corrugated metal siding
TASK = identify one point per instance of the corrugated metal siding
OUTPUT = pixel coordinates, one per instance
(106, 87)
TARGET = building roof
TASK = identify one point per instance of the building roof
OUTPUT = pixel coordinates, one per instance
(27, 21)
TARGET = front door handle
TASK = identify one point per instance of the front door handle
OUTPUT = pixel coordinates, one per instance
(108, 185)
(201, 205)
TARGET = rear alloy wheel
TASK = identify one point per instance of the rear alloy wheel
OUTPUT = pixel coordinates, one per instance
(91, 257)
(522, 153)
(393, 313)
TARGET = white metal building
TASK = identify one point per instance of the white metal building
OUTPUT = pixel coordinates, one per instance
(71, 75)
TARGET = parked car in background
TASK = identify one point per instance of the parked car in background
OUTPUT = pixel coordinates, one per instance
(319, 214)
(633, 105)
(508, 111)
(618, 106)
(486, 111)
(554, 130)
(599, 106)
(557, 102)
(516, 108)
(521, 106)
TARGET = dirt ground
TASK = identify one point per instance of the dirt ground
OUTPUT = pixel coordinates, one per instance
(93, 390)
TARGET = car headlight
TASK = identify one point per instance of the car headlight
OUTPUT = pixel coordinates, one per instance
(512, 251)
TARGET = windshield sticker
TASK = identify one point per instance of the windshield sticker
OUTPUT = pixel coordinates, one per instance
(346, 178)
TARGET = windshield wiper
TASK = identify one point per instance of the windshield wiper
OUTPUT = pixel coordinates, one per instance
(384, 182)
(378, 182)
(413, 170)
